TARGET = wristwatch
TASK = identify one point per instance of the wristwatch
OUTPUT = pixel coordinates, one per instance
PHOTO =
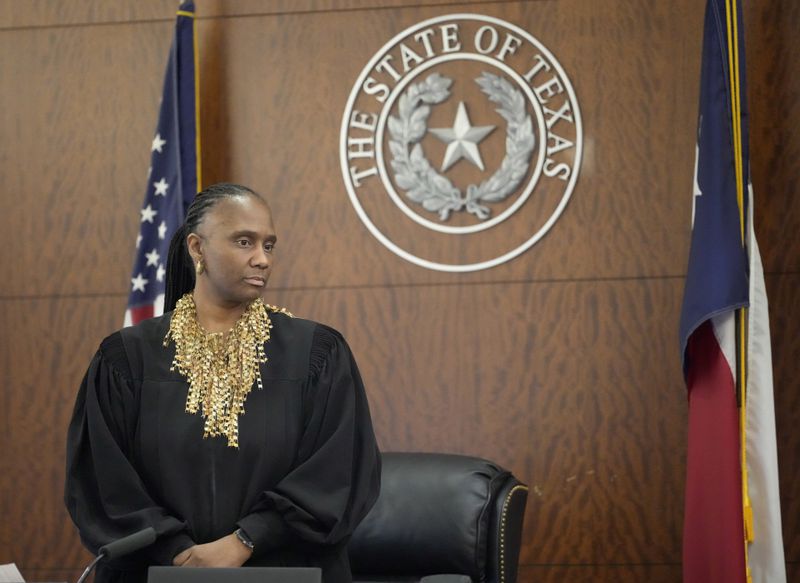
(244, 539)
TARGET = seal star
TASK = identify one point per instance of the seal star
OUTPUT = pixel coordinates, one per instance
(462, 139)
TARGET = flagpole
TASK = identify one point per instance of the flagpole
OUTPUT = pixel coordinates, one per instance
(197, 104)
(731, 13)
(196, 56)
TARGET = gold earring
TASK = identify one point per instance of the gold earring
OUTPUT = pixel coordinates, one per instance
(199, 268)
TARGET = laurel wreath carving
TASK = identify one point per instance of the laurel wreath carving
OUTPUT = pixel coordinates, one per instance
(422, 183)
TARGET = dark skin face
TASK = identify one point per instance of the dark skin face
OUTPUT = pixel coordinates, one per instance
(235, 241)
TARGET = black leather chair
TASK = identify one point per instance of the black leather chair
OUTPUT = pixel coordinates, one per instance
(441, 518)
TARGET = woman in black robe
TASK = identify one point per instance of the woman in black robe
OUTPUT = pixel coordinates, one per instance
(283, 481)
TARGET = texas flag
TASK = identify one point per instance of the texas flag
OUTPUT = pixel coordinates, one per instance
(732, 524)
(174, 175)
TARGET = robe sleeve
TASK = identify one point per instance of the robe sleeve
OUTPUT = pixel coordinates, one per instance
(336, 478)
(104, 494)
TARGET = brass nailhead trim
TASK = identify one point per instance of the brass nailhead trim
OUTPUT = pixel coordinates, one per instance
(503, 516)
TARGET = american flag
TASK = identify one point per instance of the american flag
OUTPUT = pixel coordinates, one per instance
(174, 175)
(732, 522)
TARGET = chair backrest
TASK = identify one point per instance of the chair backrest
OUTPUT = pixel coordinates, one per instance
(441, 513)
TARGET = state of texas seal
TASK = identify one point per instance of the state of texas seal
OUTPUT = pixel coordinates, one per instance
(461, 143)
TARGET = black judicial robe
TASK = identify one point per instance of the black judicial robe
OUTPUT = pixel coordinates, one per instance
(307, 469)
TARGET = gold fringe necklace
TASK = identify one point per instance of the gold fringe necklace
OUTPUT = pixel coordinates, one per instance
(220, 369)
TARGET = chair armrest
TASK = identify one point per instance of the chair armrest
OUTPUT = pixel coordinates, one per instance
(507, 518)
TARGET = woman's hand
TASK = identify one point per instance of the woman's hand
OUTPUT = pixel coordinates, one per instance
(181, 558)
(225, 552)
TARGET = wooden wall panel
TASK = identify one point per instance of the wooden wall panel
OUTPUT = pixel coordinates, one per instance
(39, 13)
(106, 132)
(75, 151)
(593, 476)
(47, 344)
(43, 13)
(597, 431)
(594, 573)
(562, 365)
(784, 317)
(774, 88)
(59, 575)
(601, 234)
(6, 440)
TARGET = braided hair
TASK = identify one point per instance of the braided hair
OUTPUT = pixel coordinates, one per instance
(180, 268)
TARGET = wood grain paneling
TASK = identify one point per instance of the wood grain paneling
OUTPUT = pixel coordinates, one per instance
(774, 88)
(60, 575)
(553, 381)
(594, 573)
(42, 13)
(96, 142)
(598, 439)
(6, 505)
(48, 344)
(75, 152)
(562, 365)
(603, 232)
(38, 13)
(784, 302)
